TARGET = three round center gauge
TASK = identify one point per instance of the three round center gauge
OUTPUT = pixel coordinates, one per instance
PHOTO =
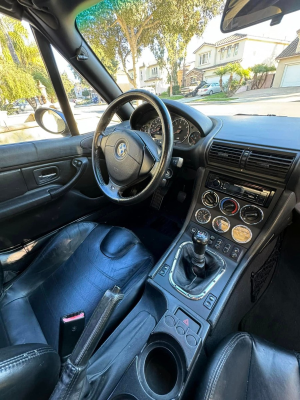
(249, 214)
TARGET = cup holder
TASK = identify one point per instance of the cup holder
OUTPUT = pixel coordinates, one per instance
(160, 370)
(124, 397)
(161, 367)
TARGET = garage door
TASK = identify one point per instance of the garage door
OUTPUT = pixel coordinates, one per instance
(291, 76)
(211, 79)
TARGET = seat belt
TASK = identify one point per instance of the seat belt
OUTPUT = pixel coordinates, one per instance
(73, 383)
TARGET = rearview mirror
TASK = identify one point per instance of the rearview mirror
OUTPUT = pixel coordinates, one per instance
(239, 14)
(52, 121)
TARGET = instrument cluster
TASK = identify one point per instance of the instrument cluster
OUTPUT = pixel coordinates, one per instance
(249, 214)
(184, 131)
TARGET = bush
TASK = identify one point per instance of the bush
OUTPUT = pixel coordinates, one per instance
(175, 90)
(9, 107)
(164, 94)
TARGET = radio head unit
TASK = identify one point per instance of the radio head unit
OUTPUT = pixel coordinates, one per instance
(251, 192)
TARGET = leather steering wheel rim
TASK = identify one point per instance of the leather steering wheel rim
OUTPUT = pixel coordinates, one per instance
(116, 146)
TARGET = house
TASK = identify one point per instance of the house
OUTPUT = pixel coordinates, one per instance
(181, 73)
(246, 49)
(78, 91)
(288, 70)
(152, 75)
(122, 81)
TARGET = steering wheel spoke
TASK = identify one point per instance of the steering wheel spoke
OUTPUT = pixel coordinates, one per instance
(115, 190)
(131, 156)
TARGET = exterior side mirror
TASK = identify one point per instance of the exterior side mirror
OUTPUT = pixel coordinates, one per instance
(52, 121)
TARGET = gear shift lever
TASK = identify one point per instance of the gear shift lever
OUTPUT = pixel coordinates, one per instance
(200, 241)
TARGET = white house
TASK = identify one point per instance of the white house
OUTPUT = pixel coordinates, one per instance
(245, 49)
(152, 75)
(288, 70)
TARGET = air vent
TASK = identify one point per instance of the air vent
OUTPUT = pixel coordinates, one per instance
(220, 154)
(269, 163)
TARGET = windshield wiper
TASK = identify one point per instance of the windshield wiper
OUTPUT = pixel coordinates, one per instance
(263, 115)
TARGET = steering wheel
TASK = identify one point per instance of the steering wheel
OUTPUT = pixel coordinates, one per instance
(131, 156)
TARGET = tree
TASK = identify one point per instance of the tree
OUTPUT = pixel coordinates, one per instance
(15, 83)
(68, 84)
(221, 71)
(183, 20)
(232, 85)
(21, 61)
(260, 72)
(85, 92)
(120, 30)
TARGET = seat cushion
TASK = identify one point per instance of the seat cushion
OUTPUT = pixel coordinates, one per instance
(71, 274)
(247, 368)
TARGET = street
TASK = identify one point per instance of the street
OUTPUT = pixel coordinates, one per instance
(87, 117)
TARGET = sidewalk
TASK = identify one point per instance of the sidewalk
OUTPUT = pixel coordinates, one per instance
(289, 94)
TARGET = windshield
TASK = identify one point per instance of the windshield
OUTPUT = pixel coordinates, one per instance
(173, 46)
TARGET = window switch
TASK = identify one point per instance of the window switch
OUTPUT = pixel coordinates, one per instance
(210, 301)
(164, 269)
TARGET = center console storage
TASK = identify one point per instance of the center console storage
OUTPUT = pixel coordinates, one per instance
(154, 351)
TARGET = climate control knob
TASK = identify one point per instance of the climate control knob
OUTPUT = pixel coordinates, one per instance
(251, 215)
(229, 206)
(210, 199)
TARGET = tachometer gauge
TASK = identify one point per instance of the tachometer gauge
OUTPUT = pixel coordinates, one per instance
(181, 129)
(241, 234)
(194, 138)
(202, 216)
(155, 128)
(221, 224)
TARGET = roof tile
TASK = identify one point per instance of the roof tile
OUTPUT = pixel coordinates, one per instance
(290, 50)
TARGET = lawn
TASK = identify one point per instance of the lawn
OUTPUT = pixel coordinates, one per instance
(175, 97)
(216, 97)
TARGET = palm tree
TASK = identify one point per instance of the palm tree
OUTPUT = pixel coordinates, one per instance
(232, 85)
(20, 60)
(221, 71)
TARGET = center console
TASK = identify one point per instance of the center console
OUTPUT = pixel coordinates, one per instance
(159, 343)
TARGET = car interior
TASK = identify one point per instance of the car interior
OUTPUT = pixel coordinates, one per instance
(155, 258)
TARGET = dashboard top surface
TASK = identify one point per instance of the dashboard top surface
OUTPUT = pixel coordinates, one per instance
(277, 132)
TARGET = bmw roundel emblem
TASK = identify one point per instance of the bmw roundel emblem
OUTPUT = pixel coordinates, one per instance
(121, 150)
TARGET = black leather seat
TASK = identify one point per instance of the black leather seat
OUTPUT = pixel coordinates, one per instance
(71, 274)
(247, 368)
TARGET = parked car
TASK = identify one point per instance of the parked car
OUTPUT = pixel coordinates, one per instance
(209, 88)
(149, 89)
(191, 91)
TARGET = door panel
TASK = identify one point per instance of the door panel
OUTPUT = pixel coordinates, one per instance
(28, 173)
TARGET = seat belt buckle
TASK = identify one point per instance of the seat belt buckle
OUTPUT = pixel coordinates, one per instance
(71, 328)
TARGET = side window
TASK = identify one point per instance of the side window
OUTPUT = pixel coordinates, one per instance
(87, 105)
(24, 84)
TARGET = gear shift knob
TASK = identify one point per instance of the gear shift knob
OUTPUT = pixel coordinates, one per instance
(200, 241)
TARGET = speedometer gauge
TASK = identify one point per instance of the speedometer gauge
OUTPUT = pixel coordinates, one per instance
(181, 129)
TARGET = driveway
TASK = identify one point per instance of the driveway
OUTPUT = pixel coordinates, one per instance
(279, 108)
(262, 94)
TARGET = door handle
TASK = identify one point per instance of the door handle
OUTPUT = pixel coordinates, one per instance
(80, 163)
(48, 176)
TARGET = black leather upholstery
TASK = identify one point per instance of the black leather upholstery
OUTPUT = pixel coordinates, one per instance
(71, 274)
(247, 368)
(28, 371)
